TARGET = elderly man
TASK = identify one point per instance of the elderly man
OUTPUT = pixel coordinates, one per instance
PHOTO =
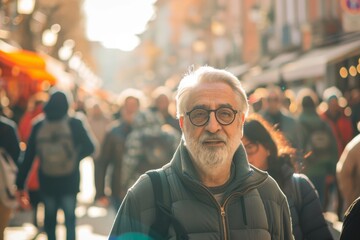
(215, 193)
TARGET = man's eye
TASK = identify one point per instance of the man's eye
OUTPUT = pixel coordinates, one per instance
(225, 113)
(199, 114)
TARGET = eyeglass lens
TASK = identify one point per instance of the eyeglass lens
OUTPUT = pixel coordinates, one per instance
(200, 117)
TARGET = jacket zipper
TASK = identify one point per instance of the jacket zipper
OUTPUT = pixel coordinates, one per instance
(223, 219)
(222, 207)
(223, 212)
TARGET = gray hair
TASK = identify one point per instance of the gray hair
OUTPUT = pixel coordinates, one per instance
(208, 74)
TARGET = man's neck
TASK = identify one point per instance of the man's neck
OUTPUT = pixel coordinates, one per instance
(215, 176)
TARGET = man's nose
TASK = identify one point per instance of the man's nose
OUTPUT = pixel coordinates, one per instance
(213, 125)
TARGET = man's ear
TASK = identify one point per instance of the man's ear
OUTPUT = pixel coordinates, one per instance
(242, 118)
(181, 122)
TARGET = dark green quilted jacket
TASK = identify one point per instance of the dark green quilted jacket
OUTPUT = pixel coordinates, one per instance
(253, 206)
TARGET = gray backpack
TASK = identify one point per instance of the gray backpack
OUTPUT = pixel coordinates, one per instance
(55, 148)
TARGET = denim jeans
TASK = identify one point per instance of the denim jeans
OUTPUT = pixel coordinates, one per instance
(68, 204)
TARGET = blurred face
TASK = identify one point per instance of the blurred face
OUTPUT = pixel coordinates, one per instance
(96, 110)
(257, 154)
(213, 143)
(162, 103)
(131, 107)
(273, 103)
(333, 105)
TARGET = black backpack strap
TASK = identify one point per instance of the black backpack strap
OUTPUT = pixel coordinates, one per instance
(297, 191)
(159, 228)
(163, 216)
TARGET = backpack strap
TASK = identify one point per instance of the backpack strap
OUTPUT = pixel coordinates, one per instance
(297, 191)
(163, 216)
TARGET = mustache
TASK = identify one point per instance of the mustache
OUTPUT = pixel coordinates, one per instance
(212, 137)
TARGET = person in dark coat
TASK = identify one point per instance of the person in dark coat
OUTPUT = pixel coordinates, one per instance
(58, 191)
(268, 150)
(9, 142)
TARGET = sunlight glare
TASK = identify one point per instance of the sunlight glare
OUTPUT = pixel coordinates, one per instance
(116, 23)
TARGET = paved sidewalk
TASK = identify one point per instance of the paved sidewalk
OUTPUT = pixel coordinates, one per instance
(93, 223)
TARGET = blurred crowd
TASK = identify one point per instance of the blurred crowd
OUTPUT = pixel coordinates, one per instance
(139, 131)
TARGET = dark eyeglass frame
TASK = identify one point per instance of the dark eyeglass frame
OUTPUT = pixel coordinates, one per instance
(209, 111)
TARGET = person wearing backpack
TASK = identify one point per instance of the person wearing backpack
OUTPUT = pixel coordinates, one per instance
(60, 141)
(213, 191)
(317, 143)
(268, 150)
(10, 151)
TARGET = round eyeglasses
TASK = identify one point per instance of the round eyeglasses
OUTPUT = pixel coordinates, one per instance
(200, 116)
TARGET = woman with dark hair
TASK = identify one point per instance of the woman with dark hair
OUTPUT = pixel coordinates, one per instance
(268, 150)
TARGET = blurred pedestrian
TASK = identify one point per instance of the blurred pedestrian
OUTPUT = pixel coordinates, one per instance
(113, 147)
(268, 150)
(9, 143)
(99, 121)
(277, 115)
(34, 109)
(150, 145)
(214, 193)
(257, 100)
(162, 97)
(60, 141)
(334, 115)
(348, 171)
(342, 128)
(317, 143)
(289, 101)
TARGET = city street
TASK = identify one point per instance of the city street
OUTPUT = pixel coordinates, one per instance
(93, 222)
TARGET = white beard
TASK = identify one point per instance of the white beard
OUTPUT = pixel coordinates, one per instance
(210, 157)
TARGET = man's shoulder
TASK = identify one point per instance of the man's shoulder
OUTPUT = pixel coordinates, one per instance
(143, 185)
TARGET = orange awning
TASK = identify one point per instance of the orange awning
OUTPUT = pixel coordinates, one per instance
(28, 63)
